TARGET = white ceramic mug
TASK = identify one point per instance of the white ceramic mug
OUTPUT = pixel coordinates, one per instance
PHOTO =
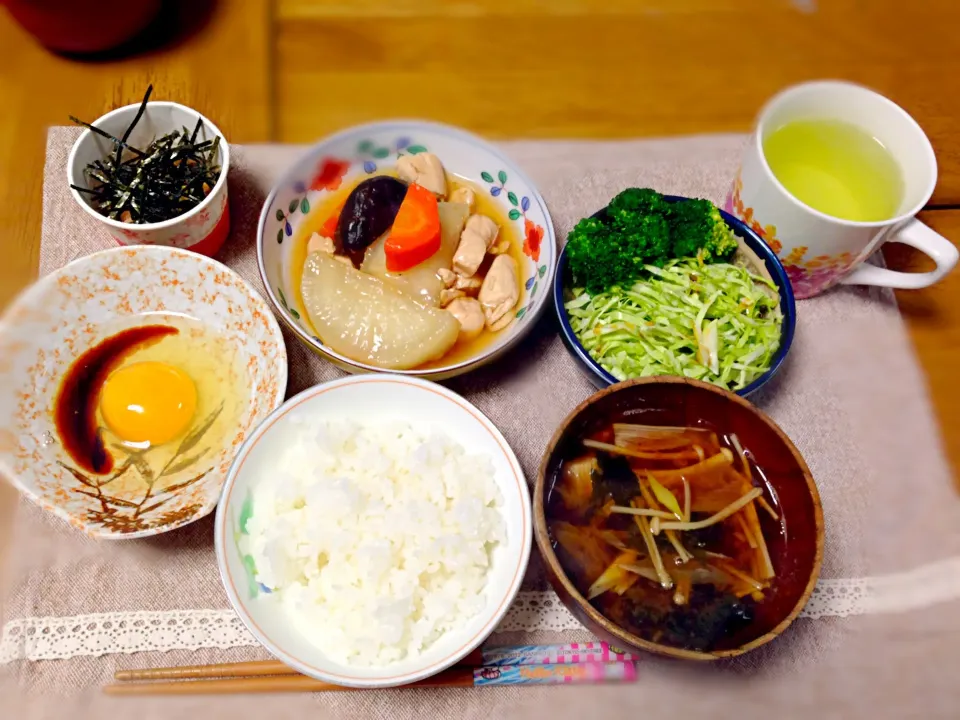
(819, 250)
(202, 229)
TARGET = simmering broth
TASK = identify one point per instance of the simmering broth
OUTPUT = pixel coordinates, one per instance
(463, 350)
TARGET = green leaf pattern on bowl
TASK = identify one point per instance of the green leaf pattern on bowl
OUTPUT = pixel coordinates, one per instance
(517, 213)
(240, 531)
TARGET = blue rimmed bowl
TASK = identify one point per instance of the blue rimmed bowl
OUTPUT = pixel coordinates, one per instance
(601, 378)
(366, 150)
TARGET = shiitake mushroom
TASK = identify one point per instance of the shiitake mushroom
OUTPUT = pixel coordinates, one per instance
(369, 212)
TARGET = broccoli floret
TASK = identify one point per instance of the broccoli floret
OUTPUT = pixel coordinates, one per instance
(588, 241)
(640, 228)
(696, 227)
(634, 201)
(612, 249)
(648, 236)
(609, 252)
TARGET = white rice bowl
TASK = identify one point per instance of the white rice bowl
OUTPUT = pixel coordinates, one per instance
(453, 494)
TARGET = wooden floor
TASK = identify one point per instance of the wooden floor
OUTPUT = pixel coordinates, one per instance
(293, 70)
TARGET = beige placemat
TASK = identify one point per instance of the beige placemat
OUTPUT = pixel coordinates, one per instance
(850, 396)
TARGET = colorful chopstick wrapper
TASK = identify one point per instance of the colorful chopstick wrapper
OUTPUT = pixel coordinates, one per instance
(573, 653)
(554, 674)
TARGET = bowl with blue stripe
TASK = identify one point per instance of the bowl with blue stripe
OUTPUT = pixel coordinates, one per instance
(602, 377)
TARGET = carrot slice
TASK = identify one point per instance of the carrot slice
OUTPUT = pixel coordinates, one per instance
(415, 235)
(329, 226)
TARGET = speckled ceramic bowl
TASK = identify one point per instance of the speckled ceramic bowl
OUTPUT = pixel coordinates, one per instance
(365, 150)
(69, 311)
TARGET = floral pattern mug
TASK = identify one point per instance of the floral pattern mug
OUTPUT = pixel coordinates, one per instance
(818, 250)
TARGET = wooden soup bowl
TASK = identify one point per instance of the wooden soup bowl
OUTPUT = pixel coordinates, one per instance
(796, 553)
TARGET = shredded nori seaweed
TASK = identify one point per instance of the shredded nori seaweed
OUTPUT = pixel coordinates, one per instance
(169, 178)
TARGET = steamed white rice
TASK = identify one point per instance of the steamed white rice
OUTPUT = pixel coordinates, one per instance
(375, 539)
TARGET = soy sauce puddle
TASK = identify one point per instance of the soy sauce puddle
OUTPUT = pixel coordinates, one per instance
(75, 409)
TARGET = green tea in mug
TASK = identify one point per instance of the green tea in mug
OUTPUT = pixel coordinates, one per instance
(837, 168)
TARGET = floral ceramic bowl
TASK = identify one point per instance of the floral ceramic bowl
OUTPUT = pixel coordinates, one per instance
(76, 308)
(349, 156)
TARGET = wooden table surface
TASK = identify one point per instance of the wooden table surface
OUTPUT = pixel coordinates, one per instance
(293, 70)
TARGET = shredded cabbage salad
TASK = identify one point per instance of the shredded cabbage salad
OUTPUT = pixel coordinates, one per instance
(715, 322)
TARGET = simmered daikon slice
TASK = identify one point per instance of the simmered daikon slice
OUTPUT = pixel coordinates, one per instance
(368, 320)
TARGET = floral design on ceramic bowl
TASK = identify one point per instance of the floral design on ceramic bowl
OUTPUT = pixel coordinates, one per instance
(365, 150)
(73, 309)
(812, 276)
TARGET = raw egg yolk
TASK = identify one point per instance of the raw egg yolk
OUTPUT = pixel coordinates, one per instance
(148, 402)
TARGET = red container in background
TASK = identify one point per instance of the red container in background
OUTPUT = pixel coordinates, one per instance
(83, 26)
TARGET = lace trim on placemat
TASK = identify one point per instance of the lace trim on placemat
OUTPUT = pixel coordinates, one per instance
(53, 638)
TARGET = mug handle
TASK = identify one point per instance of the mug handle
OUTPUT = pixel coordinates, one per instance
(915, 234)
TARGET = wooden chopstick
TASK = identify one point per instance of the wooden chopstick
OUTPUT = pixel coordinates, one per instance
(452, 677)
(256, 668)
(507, 656)
(545, 674)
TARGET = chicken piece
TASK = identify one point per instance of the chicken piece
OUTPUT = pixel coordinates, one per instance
(483, 226)
(448, 295)
(319, 243)
(500, 292)
(469, 285)
(466, 196)
(500, 247)
(478, 235)
(470, 315)
(470, 253)
(447, 277)
(424, 169)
